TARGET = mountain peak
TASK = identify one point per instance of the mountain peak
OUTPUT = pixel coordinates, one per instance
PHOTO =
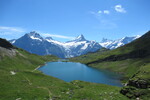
(49, 38)
(80, 38)
(34, 34)
(105, 40)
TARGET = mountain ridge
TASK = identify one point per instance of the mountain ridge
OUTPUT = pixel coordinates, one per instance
(34, 43)
(113, 44)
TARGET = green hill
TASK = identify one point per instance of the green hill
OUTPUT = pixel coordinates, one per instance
(131, 60)
(19, 80)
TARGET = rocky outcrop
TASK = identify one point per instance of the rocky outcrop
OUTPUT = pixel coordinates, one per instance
(5, 44)
(132, 92)
(140, 83)
(136, 88)
(6, 49)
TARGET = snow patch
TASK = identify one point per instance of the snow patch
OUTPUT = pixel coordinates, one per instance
(35, 38)
(12, 72)
(105, 44)
(18, 99)
(85, 46)
(54, 42)
(13, 41)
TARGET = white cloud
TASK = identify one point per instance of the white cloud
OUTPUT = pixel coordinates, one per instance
(105, 21)
(11, 32)
(103, 12)
(120, 9)
(106, 12)
(12, 29)
(99, 12)
(57, 36)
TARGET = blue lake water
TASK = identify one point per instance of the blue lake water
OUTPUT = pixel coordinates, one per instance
(69, 71)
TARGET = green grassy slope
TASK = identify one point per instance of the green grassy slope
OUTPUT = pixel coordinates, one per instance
(20, 81)
(93, 56)
(129, 60)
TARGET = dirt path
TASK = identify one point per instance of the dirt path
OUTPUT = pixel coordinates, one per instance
(36, 68)
(28, 80)
(49, 92)
(45, 88)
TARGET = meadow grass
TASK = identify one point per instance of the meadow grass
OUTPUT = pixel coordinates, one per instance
(20, 81)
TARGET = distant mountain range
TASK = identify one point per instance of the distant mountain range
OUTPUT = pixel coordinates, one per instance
(34, 43)
(113, 44)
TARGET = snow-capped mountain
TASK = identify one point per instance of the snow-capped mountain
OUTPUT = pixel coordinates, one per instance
(79, 38)
(80, 46)
(113, 44)
(36, 44)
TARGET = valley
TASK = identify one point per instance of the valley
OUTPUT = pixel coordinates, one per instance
(20, 80)
(74, 50)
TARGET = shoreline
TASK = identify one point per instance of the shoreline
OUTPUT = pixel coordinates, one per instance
(38, 67)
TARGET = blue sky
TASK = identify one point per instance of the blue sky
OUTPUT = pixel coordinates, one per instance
(66, 19)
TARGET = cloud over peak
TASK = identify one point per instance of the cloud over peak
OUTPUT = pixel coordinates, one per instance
(120, 9)
(57, 36)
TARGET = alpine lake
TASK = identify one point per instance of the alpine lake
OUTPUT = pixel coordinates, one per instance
(69, 71)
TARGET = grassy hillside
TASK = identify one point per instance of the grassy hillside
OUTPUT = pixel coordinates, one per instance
(130, 56)
(20, 81)
(131, 60)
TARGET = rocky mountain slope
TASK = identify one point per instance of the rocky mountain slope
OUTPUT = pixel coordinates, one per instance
(36, 44)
